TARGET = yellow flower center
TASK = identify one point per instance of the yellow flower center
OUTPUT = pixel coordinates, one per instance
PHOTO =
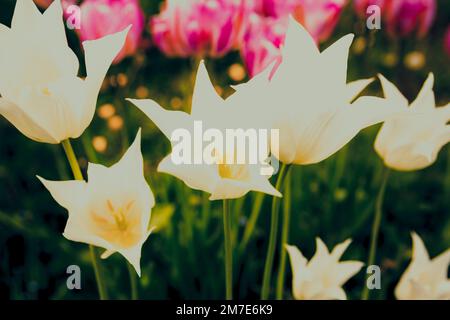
(118, 225)
(46, 92)
(233, 171)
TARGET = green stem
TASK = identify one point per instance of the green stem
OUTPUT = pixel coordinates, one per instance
(133, 282)
(94, 257)
(284, 236)
(250, 226)
(228, 251)
(376, 226)
(273, 236)
(70, 154)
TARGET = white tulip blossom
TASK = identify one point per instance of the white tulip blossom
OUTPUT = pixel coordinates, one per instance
(41, 93)
(324, 275)
(112, 210)
(413, 139)
(221, 179)
(425, 278)
(309, 100)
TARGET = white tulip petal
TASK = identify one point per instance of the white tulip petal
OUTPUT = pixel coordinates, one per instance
(420, 253)
(131, 159)
(195, 176)
(299, 52)
(345, 270)
(346, 124)
(24, 123)
(229, 189)
(392, 93)
(324, 275)
(440, 265)
(167, 121)
(78, 229)
(335, 59)
(133, 255)
(354, 88)
(339, 249)
(336, 293)
(26, 15)
(299, 43)
(55, 35)
(425, 99)
(107, 254)
(99, 55)
(300, 273)
(424, 278)
(205, 99)
(69, 194)
(321, 257)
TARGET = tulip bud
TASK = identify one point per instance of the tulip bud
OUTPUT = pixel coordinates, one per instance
(404, 17)
(199, 27)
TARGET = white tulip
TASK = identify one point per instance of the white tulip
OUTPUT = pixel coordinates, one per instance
(309, 100)
(425, 278)
(41, 94)
(413, 139)
(323, 276)
(221, 180)
(112, 210)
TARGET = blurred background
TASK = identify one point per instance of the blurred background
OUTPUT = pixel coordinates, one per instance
(184, 258)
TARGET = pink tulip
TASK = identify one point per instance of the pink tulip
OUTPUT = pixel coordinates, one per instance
(404, 17)
(274, 8)
(361, 6)
(262, 42)
(447, 41)
(267, 27)
(199, 27)
(103, 17)
(319, 17)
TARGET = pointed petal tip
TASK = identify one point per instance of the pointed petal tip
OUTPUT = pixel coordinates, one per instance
(381, 77)
(42, 180)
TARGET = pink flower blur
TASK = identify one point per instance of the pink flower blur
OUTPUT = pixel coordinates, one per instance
(404, 17)
(319, 17)
(267, 27)
(199, 27)
(103, 17)
(447, 41)
(262, 42)
(361, 6)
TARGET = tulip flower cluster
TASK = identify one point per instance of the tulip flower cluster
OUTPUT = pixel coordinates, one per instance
(304, 95)
(402, 17)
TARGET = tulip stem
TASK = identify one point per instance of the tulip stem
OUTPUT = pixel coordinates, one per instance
(133, 282)
(250, 226)
(228, 250)
(284, 236)
(71, 157)
(376, 226)
(273, 235)
(96, 265)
